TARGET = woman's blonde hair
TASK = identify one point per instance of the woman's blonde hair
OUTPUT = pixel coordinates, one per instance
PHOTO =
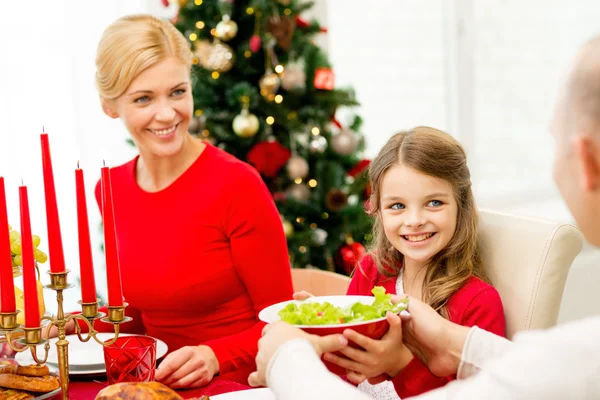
(130, 45)
(437, 154)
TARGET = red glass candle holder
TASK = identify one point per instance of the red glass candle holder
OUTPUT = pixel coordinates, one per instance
(130, 359)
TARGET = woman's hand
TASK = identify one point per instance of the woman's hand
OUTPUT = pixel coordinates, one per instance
(387, 355)
(188, 367)
(302, 295)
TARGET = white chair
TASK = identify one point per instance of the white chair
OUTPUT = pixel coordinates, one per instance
(319, 282)
(527, 261)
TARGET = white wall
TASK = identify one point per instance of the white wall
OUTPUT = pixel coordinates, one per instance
(485, 71)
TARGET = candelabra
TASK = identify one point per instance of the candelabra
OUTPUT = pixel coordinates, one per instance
(33, 337)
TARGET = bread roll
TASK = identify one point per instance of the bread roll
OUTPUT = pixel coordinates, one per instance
(38, 384)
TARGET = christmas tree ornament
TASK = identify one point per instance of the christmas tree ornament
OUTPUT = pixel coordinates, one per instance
(282, 28)
(345, 142)
(182, 3)
(255, 41)
(226, 29)
(245, 124)
(215, 56)
(269, 84)
(350, 255)
(359, 168)
(288, 228)
(324, 79)
(294, 78)
(320, 236)
(298, 191)
(317, 144)
(268, 157)
(297, 167)
(336, 200)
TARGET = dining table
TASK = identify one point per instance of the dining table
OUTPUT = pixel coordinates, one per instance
(81, 388)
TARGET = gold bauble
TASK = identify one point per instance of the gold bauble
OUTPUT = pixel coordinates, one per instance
(288, 228)
(226, 29)
(215, 56)
(269, 84)
(245, 124)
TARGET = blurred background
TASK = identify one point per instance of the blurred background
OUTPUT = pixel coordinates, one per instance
(484, 71)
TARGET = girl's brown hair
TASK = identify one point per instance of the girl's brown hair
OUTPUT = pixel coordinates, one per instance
(437, 154)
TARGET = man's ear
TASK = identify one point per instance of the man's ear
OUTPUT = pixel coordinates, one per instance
(108, 106)
(588, 152)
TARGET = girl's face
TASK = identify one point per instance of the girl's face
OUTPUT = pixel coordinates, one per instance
(419, 213)
(156, 108)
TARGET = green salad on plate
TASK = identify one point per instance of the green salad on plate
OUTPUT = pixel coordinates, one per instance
(314, 313)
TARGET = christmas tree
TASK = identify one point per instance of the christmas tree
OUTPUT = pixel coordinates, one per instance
(264, 92)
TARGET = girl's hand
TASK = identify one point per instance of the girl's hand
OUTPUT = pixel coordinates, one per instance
(388, 355)
(302, 295)
(188, 367)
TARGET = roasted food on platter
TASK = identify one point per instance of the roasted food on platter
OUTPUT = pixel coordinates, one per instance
(138, 391)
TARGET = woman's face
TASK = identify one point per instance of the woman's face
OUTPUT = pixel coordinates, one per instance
(156, 108)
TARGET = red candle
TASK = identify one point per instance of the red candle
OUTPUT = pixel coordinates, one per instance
(55, 249)
(30, 294)
(113, 271)
(86, 265)
(7, 285)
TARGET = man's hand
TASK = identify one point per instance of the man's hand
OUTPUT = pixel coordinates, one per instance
(278, 333)
(434, 340)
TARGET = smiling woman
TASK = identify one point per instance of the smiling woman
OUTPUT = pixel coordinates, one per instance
(192, 251)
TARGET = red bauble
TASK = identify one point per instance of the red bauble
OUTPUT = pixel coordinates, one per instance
(268, 157)
(255, 43)
(350, 255)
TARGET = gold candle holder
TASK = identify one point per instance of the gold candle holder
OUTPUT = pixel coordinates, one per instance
(33, 337)
(8, 321)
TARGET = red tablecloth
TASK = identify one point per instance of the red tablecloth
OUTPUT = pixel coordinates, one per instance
(87, 390)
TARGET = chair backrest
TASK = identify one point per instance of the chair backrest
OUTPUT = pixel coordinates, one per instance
(319, 282)
(527, 261)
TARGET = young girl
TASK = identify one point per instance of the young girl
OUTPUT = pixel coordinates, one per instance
(425, 245)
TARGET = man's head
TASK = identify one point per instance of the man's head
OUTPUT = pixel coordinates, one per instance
(576, 128)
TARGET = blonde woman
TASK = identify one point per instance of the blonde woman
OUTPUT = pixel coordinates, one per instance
(200, 239)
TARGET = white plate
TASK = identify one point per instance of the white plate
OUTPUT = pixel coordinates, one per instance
(84, 358)
(250, 394)
(269, 314)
